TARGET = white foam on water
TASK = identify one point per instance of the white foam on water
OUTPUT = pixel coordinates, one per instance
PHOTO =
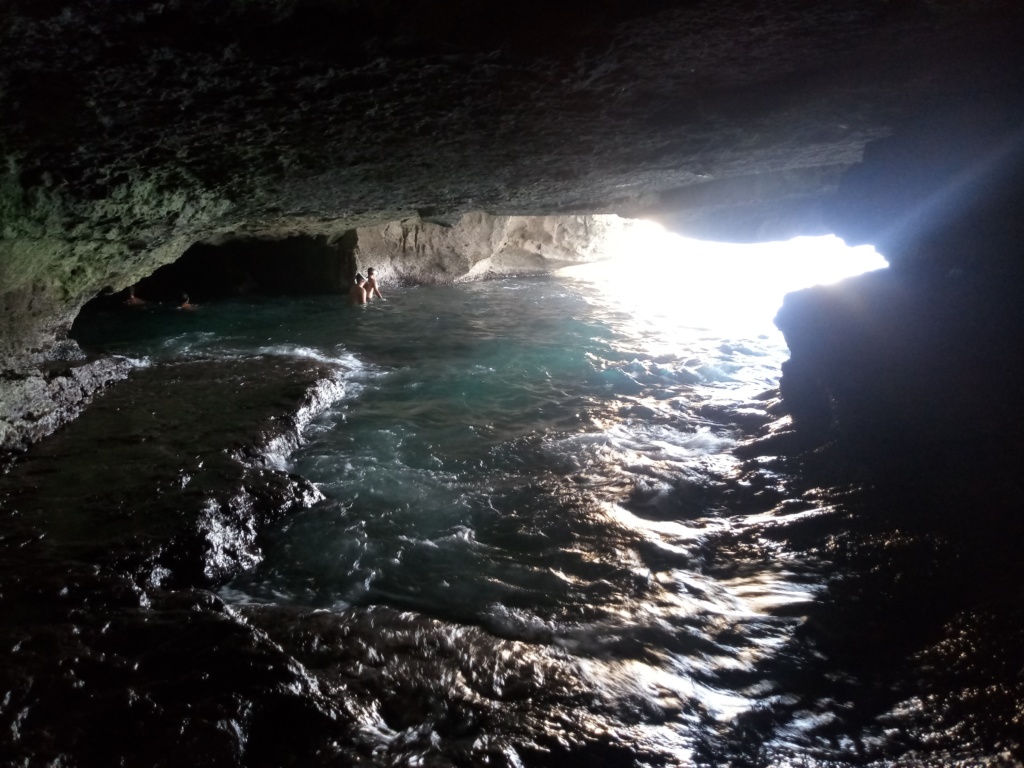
(340, 357)
(136, 362)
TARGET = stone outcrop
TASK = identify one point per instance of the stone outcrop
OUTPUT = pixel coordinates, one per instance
(926, 355)
(891, 361)
(201, 434)
(34, 402)
(109, 532)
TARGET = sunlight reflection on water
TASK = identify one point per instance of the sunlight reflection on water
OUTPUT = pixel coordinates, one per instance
(559, 478)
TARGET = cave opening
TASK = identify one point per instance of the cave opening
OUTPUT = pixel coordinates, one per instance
(664, 516)
(301, 265)
(713, 284)
(494, 454)
(722, 285)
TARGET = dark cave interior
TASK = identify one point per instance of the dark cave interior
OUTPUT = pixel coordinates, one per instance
(295, 266)
(224, 147)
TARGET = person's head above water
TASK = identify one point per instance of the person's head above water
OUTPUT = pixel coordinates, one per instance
(370, 271)
(359, 278)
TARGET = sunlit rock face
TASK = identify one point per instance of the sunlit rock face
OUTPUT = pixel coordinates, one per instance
(484, 246)
(409, 251)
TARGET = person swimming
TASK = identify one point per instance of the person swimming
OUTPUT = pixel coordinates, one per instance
(133, 300)
(371, 285)
(357, 293)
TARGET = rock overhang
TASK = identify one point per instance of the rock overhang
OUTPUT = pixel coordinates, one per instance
(133, 130)
(179, 115)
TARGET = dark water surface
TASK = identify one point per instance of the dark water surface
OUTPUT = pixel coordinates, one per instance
(529, 544)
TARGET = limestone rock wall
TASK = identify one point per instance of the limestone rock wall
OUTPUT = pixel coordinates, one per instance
(58, 250)
(482, 246)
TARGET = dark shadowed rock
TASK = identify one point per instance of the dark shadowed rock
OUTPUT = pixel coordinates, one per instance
(37, 401)
(133, 132)
(167, 476)
(896, 361)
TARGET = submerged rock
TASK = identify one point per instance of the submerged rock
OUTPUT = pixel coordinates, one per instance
(168, 474)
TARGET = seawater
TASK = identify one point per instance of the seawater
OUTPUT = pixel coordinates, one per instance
(506, 457)
(539, 542)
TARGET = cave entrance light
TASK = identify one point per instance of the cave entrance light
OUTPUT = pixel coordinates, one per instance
(719, 286)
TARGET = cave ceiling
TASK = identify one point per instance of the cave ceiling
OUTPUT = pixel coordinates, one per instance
(366, 110)
(132, 129)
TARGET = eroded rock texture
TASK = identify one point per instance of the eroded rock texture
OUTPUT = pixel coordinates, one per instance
(483, 246)
(152, 511)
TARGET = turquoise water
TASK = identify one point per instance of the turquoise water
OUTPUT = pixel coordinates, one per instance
(535, 543)
(491, 439)
(533, 458)
(475, 467)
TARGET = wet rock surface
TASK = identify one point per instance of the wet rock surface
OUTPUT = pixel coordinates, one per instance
(181, 485)
(919, 625)
(112, 650)
(36, 401)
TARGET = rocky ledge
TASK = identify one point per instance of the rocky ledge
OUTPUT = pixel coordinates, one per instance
(108, 533)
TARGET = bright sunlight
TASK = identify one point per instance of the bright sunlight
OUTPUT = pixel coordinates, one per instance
(720, 285)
